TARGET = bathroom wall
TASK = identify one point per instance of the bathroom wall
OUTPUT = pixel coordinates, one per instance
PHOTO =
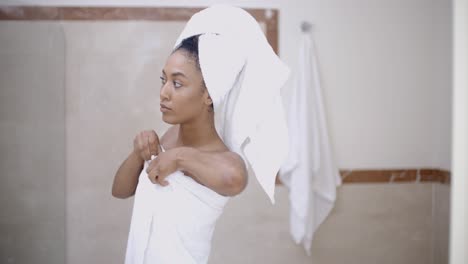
(385, 69)
(112, 93)
(32, 143)
(391, 56)
(371, 223)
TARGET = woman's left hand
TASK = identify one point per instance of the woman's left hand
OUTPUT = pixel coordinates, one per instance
(162, 166)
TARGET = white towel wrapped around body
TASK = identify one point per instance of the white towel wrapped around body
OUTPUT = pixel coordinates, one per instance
(173, 223)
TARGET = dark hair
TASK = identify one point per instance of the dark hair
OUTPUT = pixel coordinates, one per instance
(190, 45)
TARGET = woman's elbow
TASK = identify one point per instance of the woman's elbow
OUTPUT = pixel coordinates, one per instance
(120, 194)
(236, 182)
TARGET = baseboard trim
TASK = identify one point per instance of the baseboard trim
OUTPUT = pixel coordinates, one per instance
(422, 175)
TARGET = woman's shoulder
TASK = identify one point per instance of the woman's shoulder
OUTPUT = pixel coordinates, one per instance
(219, 146)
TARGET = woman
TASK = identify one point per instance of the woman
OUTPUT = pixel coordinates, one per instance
(221, 92)
(191, 145)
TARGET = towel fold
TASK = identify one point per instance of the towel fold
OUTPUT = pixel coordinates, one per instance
(173, 223)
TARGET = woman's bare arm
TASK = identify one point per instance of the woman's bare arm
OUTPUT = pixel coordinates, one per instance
(224, 172)
(126, 177)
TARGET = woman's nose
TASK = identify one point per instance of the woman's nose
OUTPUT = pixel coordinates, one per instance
(164, 92)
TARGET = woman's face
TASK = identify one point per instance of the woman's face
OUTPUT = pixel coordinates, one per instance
(183, 96)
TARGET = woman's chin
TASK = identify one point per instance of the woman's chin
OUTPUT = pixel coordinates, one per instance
(168, 120)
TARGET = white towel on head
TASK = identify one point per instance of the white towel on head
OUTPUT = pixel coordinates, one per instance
(243, 76)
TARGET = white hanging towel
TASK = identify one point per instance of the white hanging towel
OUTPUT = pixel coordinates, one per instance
(309, 172)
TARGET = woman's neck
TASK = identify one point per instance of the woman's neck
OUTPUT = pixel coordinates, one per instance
(197, 134)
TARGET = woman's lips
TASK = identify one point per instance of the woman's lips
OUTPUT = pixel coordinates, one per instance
(164, 108)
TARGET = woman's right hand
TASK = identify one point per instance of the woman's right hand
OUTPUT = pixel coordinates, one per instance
(145, 144)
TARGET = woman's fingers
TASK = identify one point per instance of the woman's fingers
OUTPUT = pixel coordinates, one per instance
(146, 144)
(155, 175)
(148, 148)
(156, 178)
(153, 143)
(152, 171)
(161, 179)
(143, 146)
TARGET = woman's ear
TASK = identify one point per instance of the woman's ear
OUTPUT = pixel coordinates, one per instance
(208, 100)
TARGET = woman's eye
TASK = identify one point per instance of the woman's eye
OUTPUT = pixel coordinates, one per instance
(163, 81)
(177, 85)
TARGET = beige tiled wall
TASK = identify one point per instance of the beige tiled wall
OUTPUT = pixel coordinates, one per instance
(112, 92)
(441, 218)
(32, 143)
(371, 223)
